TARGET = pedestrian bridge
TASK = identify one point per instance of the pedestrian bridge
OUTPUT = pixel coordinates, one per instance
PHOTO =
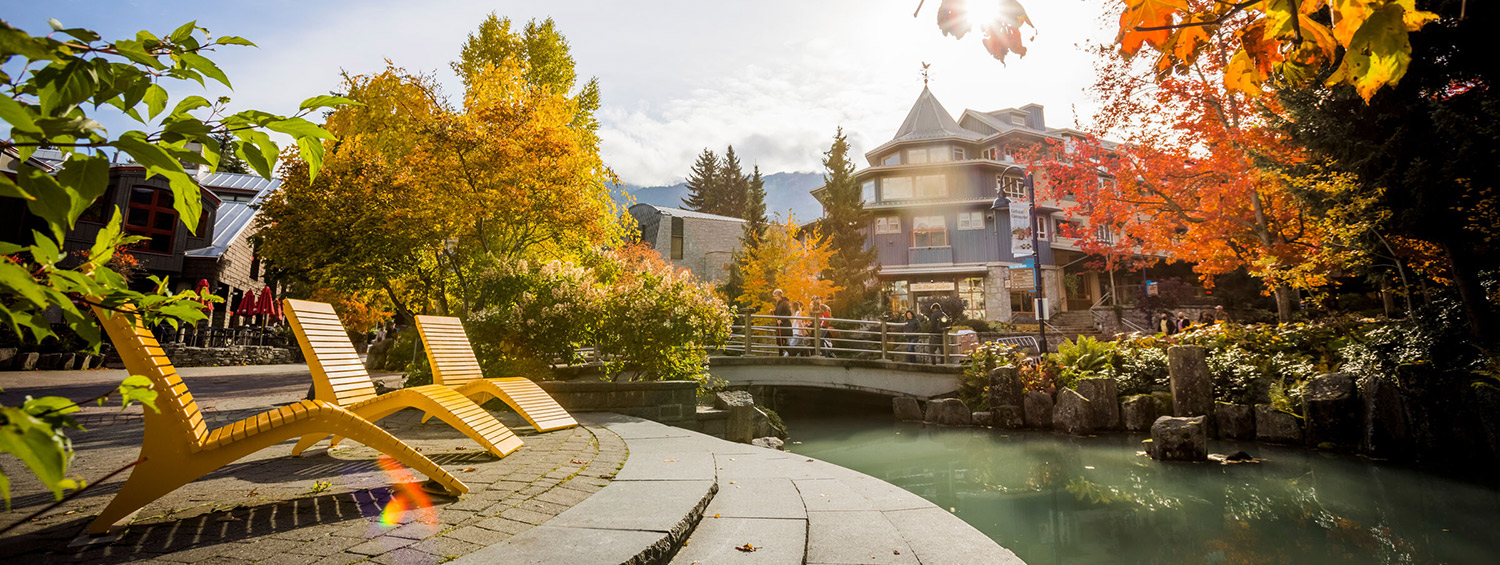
(889, 378)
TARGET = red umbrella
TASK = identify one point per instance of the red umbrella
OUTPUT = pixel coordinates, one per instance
(202, 290)
(249, 306)
(268, 304)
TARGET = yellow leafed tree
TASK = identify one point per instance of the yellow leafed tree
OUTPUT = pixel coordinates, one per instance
(788, 258)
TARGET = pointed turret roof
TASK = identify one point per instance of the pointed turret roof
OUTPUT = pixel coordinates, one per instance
(928, 120)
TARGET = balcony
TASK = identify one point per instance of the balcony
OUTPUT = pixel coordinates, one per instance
(929, 255)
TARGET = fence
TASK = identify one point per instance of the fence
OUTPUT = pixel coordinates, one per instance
(223, 337)
(759, 334)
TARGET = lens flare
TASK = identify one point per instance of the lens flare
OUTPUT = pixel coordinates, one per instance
(408, 496)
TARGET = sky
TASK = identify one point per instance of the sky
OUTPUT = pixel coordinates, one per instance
(773, 78)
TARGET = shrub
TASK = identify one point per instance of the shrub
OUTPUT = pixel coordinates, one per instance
(1235, 373)
(974, 385)
(1085, 358)
(659, 323)
(1139, 369)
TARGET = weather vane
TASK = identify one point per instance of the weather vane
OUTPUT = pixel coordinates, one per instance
(924, 72)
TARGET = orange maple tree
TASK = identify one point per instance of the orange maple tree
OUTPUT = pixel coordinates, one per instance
(789, 258)
(1187, 182)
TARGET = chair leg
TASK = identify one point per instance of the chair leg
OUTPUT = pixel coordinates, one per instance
(148, 481)
(308, 441)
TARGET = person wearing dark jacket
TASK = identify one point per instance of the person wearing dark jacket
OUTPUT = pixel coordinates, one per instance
(911, 326)
(938, 323)
(783, 312)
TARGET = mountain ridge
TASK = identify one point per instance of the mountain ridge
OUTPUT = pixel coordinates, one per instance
(786, 192)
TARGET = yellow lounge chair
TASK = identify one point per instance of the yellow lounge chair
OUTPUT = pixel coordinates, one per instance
(340, 378)
(454, 365)
(178, 447)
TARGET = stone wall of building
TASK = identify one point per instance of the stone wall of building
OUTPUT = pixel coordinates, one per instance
(708, 246)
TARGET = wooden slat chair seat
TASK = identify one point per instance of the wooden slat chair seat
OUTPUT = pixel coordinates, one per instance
(179, 448)
(340, 378)
(454, 365)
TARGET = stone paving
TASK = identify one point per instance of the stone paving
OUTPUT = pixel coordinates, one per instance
(273, 508)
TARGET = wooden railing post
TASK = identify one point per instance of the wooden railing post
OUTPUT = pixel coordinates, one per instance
(885, 346)
(749, 321)
(946, 356)
(817, 337)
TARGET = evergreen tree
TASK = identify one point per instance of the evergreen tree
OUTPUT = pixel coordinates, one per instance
(755, 206)
(852, 267)
(229, 162)
(733, 186)
(703, 184)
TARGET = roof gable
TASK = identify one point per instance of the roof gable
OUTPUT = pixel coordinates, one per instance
(929, 120)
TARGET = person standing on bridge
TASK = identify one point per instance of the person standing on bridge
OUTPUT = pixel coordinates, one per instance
(938, 323)
(783, 313)
(799, 330)
(911, 327)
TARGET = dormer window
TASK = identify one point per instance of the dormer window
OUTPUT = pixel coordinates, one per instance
(958, 154)
(150, 214)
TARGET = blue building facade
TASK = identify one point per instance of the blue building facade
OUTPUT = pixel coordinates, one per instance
(930, 192)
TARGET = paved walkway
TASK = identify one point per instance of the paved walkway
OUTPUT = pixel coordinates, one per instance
(273, 508)
(569, 496)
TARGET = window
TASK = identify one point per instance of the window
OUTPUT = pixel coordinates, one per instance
(1041, 226)
(1020, 302)
(932, 186)
(991, 153)
(958, 154)
(150, 214)
(971, 220)
(1103, 234)
(1072, 229)
(892, 159)
(971, 290)
(915, 156)
(888, 224)
(929, 231)
(895, 188)
(897, 297)
(676, 238)
(1012, 187)
(937, 154)
(867, 191)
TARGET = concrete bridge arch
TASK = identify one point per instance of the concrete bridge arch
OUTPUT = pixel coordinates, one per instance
(888, 378)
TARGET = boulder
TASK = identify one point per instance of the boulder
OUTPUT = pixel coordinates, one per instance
(931, 416)
(375, 359)
(1163, 405)
(1037, 410)
(85, 361)
(769, 443)
(1179, 439)
(1007, 417)
(1235, 421)
(1385, 432)
(1005, 387)
(983, 418)
(1275, 426)
(1138, 412)
(8, 356)
(906, 409)
(1331, 407)
(1192, 391)
(731, 398)
(49, 361)
(1104, 402)
(1072, 413)
(27, 361)
(741, 406)
(952, 412)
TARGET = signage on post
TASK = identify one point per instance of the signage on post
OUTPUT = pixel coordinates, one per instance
(1020, 229)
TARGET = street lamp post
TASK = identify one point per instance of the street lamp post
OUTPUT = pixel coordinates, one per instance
(1001, 201)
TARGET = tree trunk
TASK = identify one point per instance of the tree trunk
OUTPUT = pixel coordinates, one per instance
(1284, 303)
(403, 316)
(1470, 291)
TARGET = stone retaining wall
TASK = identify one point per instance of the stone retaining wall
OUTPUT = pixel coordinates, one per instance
(669, 402)
(184, 356)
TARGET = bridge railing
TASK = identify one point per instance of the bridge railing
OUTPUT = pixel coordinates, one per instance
(766, 335)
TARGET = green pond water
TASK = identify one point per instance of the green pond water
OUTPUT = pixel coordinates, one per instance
(1058, 499)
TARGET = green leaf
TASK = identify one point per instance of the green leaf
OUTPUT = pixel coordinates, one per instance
(84, 35)
(191, 103)
(232, 40)
(208, 68)
(88, 177)
(74, 127)
(16, 42)
(8, 248)
(105, 240)
(137, 388)
(50, 201)
(311, 150)
(9, 189)
(43, 250)
(136, 52)
(263, 160)
(17, 115)
(50, 405)
(17, 281)
(325, 101)
(40, 445)
(156, 100)
(183, 32)
(300, 128)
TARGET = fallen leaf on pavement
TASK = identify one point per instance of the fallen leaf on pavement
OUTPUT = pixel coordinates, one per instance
(670, 460)
(579, 462)
(469, 469)
(461, 448)
(747, 548)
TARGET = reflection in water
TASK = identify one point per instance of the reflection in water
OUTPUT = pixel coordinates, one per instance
(1056, 499)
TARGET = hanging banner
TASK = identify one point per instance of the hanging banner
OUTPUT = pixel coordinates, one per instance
(1020, 229)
